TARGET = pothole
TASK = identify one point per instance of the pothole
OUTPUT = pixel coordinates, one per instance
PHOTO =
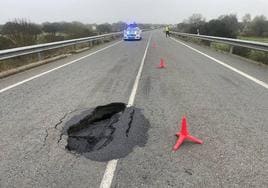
(106, 132)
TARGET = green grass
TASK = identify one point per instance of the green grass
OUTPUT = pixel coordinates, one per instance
(255, 55)
(220, 47)
(258, 39)
(32, 58)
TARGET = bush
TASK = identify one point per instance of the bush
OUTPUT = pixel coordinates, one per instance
(220, 47)
(6, 43)
(244, 52)
(51, 38)
(259, 56)
(104, 28)
(224, 26)
(205, 42)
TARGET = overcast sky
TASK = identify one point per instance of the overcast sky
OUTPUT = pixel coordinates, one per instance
(145, 11)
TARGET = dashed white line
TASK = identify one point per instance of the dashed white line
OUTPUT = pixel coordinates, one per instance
(44, 73)
(111, 166)
(259, 82)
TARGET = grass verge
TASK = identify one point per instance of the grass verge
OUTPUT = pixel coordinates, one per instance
(18, 64)
(259, 56)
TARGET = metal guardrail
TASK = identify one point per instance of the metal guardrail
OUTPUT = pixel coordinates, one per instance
(232, 42)
(15, 52)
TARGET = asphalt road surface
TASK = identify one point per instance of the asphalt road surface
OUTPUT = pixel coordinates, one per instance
(226, 109)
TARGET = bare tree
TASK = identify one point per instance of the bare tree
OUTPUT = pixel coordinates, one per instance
(195, 23)
(246, 18)
(21, 32)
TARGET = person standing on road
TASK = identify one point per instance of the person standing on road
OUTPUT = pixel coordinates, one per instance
(167, 31)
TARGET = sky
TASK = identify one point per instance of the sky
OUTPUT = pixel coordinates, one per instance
(141, 11)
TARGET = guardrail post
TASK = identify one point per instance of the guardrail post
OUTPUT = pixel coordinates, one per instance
(231, 49)
(39, 56)
(90, 44)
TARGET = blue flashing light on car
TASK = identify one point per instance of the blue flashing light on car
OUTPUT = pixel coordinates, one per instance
(132, 32)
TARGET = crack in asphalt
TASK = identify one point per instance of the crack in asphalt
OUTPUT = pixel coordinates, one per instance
(61, 134)
(130, 122)
(45, 139)
(188, 171)
(64, 116)
(61, 120)
(109, 137)
(55, 127)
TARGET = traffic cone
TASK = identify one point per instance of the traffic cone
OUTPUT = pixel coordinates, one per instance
(154, 45)
(184, 135)
(162, 64)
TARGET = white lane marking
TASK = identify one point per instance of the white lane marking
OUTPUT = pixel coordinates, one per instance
(44, 73)
(261, 83)
(136, 83)
(111, 166)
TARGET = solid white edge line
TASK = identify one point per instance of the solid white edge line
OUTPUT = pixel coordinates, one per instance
(44, 73)
(261, 83)
(111, 165)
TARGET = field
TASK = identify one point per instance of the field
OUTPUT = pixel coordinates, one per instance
(259, 39)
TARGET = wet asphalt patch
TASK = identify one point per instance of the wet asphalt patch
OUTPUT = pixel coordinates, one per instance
(106, 132)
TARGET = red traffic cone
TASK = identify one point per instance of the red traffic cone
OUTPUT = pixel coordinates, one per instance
(184, 135)
(162, 64)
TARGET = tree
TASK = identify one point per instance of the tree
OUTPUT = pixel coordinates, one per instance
(245, 26)
(196, 23)
(76, 30)
(224, 26)
(259, 26)
(183, 27)
(21, 32)
(51, 28)
(104, 28)
(119, 26)
(231, 25)
(195, 19)
(246, 18)
(52, 31)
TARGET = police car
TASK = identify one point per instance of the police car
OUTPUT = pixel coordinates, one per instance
(132, 32)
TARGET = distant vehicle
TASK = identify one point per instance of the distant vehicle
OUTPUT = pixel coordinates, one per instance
(132, 32)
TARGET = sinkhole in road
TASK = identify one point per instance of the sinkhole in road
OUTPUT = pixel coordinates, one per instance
(106, 132)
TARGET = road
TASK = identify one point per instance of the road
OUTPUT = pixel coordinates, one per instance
(227, 110)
